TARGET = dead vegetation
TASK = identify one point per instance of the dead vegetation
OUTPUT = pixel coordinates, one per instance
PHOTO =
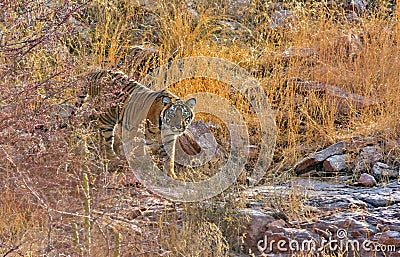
(45, 48)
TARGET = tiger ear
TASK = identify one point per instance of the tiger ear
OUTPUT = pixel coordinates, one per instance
(165, 100)
(191, 102)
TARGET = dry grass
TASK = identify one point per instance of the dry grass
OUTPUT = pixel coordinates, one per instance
(45, 46)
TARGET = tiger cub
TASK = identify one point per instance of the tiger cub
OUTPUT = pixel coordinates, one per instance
(167, 118)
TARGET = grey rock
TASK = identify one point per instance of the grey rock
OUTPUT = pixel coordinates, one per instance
(148, 4)
(359, 6)
(376, 200)
(379, 196)
(62, 111)
(363, 213)
(390, 238)
(367, 158)
(308, 163)
(274, 6)
(231, 31)
(330, 203)
(191, 10)
(382, 170)
(280, 18)
(335, 163)
(346, 101)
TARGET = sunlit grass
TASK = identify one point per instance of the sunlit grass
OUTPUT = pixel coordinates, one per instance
(102, 33)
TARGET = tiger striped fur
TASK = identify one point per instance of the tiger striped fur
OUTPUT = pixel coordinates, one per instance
(167, 118)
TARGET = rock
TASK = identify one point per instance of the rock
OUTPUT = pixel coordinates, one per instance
(377, 200)
(337, 202)
(193, 14)
(231, 30)
(148, 4)
(298, 52)
(345, 100)
(276, 223)
(188, 145)
(256, 226)
(359, 6)
(237, 8)
(366, 159)
(335, 163)
(390, 238)
(366, 180)
(62, 111)
(281, 18)
(273, 6)
(277, 231)
(361, 213)
(354, 228)
(382, 170)
(198, 146)
(349, 45)
(310, 162)
(191, 10)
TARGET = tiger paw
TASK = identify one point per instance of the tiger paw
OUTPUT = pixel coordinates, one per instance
(172, 175)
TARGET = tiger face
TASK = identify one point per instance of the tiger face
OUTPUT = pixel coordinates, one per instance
(177, 115)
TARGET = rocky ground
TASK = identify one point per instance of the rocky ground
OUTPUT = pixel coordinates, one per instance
(351, 205)
(348, 214)
(349, 200)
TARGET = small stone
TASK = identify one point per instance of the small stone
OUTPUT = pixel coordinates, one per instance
(335, 163)
(298, 52)
(390, 238)
(366, 180)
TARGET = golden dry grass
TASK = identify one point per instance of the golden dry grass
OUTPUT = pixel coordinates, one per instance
(42, 58)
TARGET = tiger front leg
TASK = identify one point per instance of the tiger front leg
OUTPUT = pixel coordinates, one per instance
(169, 158)
(170, 168)
(107, 133)
(107, 125)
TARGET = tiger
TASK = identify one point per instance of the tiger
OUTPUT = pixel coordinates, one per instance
(167, 118)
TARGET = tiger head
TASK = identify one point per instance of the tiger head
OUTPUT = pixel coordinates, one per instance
(177, 114)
